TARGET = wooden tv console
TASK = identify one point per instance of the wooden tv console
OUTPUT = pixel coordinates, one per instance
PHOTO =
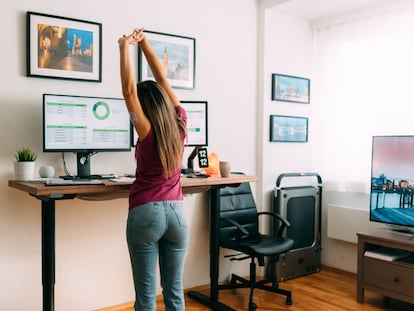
(393, 279)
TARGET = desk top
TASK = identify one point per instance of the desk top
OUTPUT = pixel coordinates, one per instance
(189, 185)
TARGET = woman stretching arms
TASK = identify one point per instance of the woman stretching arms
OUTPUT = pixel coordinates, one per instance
(156, 225)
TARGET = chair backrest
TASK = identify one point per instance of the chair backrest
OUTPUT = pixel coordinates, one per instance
(237, 203)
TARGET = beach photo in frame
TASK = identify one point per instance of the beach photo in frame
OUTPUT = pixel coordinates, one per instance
(288, 129)
(63, 48)
(177, 56)
(290, 88)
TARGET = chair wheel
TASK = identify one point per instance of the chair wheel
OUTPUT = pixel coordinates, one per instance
(289, 300)
(252, 306)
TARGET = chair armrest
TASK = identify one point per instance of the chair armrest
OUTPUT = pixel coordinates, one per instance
(243, 232)
(285, 222)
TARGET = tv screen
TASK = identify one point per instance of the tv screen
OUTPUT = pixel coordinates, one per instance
(85, 124)
(392, 181)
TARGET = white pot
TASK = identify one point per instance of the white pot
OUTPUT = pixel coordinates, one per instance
(24, 170)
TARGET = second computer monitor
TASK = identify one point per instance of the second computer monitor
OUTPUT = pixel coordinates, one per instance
(197, 123)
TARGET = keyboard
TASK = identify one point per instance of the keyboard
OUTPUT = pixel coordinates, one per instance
(197, 175)
(89, 177)
(64, 182)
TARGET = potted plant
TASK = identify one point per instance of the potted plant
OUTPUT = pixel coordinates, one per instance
(25, 164)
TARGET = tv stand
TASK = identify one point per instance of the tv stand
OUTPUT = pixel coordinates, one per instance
(402, 229)
(389, 278)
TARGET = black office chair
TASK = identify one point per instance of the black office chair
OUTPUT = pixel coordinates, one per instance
(239, 230)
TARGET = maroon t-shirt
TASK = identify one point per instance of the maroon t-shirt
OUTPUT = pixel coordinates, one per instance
(150, 184)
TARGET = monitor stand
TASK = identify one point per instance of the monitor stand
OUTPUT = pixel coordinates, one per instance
(190, 165)
(84, 164)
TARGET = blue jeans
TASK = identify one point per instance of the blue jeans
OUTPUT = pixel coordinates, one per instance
(158, 229)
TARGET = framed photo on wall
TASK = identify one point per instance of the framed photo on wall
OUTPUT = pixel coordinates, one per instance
(290, 89)
(177, 56)
(63, 48)
(288, 129)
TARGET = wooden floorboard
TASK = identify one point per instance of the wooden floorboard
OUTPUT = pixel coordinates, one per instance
(327, 290)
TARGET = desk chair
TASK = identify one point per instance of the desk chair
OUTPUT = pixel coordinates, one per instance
(239, 230)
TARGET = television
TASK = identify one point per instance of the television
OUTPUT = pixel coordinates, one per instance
(85, 125)
(392, 182)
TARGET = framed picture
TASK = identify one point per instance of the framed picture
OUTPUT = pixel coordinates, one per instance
(63, 48)
(290, 89)
(288, 129)
(177, 56)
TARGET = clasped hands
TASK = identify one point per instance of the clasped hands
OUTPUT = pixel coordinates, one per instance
(133, 38)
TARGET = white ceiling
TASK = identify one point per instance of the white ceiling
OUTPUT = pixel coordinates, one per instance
(313, 10)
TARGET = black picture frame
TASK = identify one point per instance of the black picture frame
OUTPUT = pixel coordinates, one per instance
(290, 88)
(288, 129)
(175, 52)
(63, 48)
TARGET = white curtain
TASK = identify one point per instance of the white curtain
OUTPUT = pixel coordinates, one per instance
(364, 86)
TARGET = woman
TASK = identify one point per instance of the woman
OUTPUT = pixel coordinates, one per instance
(156, 224)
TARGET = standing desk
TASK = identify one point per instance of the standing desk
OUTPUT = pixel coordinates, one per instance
(48, 195)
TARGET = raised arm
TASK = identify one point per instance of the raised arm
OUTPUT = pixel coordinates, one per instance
(157, 69)
(129, 86)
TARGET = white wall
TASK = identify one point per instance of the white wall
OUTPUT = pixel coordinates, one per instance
(287, 49)
(92, 263)
(341, 122)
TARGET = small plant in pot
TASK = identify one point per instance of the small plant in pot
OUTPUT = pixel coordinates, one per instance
(25, 164)
(25, 154)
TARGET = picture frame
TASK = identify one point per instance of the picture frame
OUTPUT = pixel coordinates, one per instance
(290, 88)
(288, 129)
(176, 54)
(63, 48)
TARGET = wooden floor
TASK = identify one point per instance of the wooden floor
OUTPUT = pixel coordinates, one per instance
(328, 290)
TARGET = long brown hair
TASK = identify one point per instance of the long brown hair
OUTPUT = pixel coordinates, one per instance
(160, 111)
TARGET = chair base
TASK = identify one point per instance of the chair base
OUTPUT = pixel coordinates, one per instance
(239, 282)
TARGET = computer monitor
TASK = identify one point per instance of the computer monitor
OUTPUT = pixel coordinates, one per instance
(197, 129)
(85, 125)
(197, 125)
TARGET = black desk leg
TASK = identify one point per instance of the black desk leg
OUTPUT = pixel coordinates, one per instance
(212, 301)
(48, 254)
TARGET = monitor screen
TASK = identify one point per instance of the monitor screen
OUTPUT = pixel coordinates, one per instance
(197, 126)
(392, 181)
(85, 124)
(197, 123)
